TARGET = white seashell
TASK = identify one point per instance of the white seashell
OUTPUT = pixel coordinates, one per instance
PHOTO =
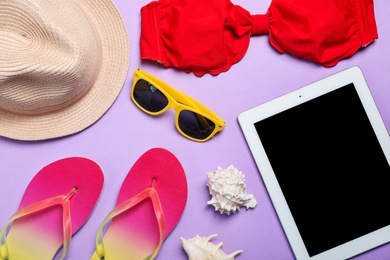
(200, 248)
(228, 190)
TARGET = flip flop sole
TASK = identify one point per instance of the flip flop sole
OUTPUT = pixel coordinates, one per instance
(134, 234)
(40, 235)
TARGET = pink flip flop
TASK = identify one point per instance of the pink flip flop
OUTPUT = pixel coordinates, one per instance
(56, 203)
(149, 205)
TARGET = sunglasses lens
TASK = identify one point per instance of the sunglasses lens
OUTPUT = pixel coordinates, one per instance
(195, 125)
(149, 97)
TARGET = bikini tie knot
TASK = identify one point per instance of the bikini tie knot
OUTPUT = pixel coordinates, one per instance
(259, 24)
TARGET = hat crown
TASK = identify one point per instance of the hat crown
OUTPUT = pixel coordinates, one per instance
(50, 55)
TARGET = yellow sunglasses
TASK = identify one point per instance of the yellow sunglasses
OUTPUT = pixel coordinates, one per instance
(193, 120)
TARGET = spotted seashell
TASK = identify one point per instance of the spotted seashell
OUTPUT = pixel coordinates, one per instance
(228, 190)
(200, 248)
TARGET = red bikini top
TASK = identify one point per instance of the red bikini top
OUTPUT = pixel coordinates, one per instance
(203, 36)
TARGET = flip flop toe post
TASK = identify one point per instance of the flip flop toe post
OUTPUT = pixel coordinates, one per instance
(56, 203)
(149, 205)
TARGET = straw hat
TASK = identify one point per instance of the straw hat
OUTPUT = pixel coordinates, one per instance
(62, 65)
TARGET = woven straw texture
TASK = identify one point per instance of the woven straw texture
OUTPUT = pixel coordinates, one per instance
(62, 65)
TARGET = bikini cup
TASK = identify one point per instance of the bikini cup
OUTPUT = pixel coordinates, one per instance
(203, 36)
(199, 36)
(322, 31)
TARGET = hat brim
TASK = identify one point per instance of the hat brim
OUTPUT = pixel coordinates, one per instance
(94, 104)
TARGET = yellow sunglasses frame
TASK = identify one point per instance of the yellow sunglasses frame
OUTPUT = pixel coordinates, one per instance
(177, 101)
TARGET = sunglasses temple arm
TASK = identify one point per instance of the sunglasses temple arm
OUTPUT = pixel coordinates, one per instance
(189, 101)
(183, 98)
(202, 108)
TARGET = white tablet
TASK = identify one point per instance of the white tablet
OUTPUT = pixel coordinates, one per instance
(324, 155)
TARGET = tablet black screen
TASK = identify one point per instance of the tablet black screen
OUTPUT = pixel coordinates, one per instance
(331, 168)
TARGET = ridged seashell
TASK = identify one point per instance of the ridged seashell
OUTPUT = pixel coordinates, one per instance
(200, 248)
(228, 190)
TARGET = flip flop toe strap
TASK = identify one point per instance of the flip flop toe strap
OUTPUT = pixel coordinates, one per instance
(38, 206)
(128, 204)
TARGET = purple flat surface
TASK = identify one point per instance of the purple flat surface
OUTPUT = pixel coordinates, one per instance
(124, 133)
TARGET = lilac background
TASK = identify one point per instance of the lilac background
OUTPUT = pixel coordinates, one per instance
(124, 133)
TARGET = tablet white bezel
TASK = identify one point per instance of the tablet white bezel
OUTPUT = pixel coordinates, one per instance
(247, 120)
